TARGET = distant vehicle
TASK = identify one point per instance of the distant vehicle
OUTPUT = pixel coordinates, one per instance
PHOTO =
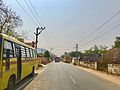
(57, 59)
(17, 60)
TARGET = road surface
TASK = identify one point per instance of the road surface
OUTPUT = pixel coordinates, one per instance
(62, 76)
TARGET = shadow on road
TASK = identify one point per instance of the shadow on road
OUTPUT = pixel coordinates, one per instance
(23, 83)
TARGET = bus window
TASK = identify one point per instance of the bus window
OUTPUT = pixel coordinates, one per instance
(27, 52)
(7, 45)
(23, 51)
(14, 49)
(31, 54)
(35, 53)
(7, 53)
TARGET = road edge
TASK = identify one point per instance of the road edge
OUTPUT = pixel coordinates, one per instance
(38, 72)
(101, 74)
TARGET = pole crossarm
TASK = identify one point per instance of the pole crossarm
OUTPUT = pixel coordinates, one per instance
(38, 33)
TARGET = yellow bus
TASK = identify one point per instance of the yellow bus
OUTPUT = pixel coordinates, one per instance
(17, 60)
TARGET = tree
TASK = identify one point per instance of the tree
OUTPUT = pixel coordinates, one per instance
(95, 52)
(75, 54)
(117, 42)
(8, 20)
(47, 54)
(102, 49)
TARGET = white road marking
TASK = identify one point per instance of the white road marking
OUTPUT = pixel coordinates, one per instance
(72, 79)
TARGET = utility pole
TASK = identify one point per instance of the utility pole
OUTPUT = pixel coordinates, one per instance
(77, 53)
(37, 33)
(51, 55)
(76, 47)
(51, 50)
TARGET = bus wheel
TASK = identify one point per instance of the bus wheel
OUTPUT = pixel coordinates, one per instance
(33, 71)
(11, 83)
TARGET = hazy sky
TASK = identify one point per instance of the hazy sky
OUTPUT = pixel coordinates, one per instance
(68, 22)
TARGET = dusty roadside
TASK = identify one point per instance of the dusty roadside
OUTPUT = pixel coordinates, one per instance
(112, 78)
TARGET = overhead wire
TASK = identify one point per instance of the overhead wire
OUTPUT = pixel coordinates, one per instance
(100, 35)
(32, 12)
(110, 26)
(106, 29)
(48, 43)
(100, 26)
(36, 12)
(38, 23)
(38, 17)
(26, 12)
(40, 20)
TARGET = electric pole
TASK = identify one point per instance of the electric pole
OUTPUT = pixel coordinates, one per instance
(51, 55)
(76, 47)
(77, 54)
(51, 50)
(38, 33)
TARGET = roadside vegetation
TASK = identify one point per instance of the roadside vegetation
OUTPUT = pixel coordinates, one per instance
(98, 57)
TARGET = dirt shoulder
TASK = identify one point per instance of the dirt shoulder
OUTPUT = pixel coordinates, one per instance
(112, 78)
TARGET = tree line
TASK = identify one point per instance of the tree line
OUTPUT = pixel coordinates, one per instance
(94, 52)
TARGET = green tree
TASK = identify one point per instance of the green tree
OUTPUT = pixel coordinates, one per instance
(102, 49)
(95, 51)
(117, 42)
(75, 54)
(47, 54)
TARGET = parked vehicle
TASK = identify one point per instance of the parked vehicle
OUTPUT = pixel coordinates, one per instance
(17, 60)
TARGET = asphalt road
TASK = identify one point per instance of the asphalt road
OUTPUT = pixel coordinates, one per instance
(62, 76)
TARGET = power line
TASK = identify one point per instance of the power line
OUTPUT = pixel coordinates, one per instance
(36, 12)
(99, 35)
(37, 16)
(101, 26)
(26, 13)
(39, 20)
(107, 28)
(31, 11)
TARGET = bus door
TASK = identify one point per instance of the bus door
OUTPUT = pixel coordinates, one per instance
(19, 66)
